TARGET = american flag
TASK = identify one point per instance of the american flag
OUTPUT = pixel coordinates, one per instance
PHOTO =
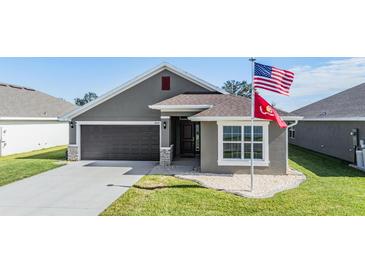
(273, 79)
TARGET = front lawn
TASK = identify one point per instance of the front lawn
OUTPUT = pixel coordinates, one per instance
(19, 166)
(331, 188)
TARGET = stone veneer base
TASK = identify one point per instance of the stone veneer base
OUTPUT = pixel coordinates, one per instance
(166, 154)
(73, 153)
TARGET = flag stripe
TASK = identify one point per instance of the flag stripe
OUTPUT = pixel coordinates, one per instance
(272, 81)
(282, 77)
(272, 86)
(272, 89)
(284, 72)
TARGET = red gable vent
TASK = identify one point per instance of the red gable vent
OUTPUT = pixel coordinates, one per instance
(165, 82)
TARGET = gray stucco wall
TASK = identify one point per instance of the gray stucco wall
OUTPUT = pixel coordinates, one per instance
(72, 134)
(328, 137)
(209, 152)
(165, 132)
(132, 104)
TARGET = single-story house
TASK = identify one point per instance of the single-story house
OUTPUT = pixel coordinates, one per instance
(334, 125)
(29, 120)
(167, 113)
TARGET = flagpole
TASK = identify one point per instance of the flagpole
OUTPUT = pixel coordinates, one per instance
(252, 117)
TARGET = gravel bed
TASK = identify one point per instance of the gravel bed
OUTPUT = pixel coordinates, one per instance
(265, 186)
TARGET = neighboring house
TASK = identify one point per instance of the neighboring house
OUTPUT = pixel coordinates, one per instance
(29, 120)
(167, 113)
(328, 124)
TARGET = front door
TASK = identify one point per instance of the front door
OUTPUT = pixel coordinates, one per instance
(187, 138)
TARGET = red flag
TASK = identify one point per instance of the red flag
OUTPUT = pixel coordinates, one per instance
(265, 111)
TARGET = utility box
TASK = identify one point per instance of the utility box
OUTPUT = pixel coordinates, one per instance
(360, 158)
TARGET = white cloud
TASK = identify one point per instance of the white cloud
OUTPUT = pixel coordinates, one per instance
(315, 83)
(332, 77)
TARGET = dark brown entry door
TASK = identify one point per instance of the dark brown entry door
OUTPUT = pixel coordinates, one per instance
(187, 138)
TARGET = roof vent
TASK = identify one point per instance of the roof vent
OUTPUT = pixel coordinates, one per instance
(165, 82)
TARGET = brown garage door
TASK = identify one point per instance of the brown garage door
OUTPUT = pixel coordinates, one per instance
(112, 142)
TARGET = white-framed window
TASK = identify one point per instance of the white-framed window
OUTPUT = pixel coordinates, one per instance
(234, 143)
(291, 132)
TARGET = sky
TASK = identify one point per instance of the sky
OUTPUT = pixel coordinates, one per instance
(68, 78)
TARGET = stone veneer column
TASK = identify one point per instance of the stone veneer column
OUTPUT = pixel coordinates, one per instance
(165, 148)
(166, 154)
(73, 153)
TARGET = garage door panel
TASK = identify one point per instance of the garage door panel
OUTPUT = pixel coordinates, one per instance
(117, 142)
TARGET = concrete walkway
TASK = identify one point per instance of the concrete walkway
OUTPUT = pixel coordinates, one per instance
(79, 188)
(179, 166)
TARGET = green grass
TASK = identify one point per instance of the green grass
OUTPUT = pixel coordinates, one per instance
(331, 188)
(19, 166)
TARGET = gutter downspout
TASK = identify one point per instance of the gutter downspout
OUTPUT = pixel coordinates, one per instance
(293, 124)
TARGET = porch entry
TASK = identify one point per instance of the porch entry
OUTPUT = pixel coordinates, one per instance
(189, 138)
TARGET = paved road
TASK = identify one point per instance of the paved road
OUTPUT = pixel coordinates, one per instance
(79, 188)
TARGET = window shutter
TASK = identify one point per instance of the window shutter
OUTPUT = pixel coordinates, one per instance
(165, 83)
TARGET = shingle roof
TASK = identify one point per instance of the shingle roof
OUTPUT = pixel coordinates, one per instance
(17, 101)
(222, 105)
(346, 104)
(231, 106)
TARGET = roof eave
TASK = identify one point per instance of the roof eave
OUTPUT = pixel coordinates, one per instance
(337, 119)
(237, 118)
(29, 119)
(167, 108)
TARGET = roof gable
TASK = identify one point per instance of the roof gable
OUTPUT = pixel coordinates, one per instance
(135, 81)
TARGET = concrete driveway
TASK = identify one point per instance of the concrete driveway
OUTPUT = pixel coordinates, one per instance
(79, 188)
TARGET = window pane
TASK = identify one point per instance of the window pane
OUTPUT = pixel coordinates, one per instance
(247, 151)
(232, 151)
(247, 132)
(257, 151)
(257, 131)
(231, 133)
